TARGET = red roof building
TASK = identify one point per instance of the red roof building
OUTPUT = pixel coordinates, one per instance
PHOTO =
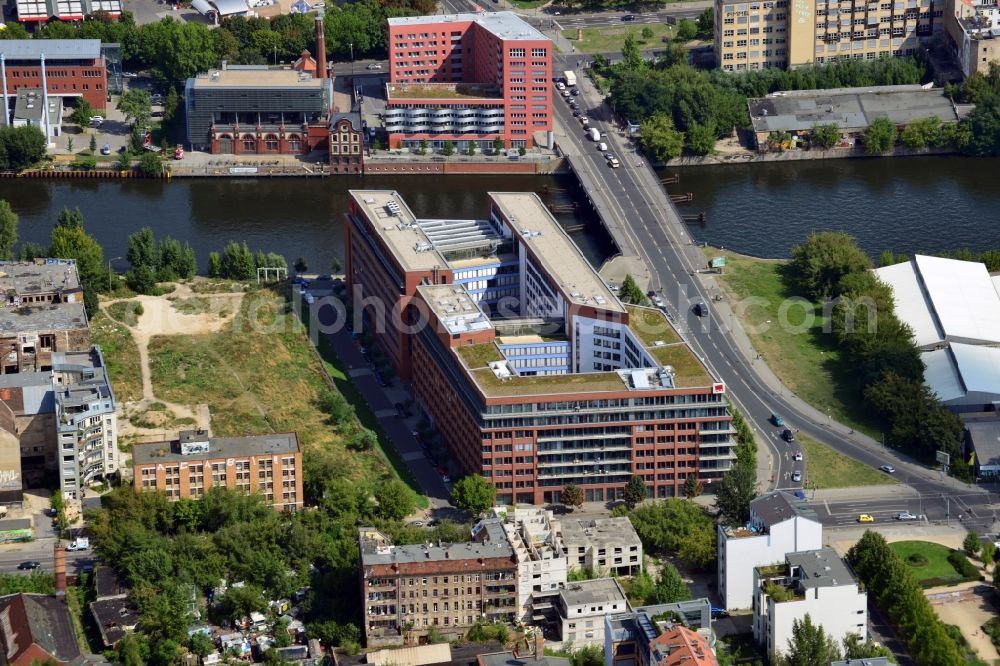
(36, 628)
(681, 645)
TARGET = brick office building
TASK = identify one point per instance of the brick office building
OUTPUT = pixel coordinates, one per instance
(188, 466)
(534, 373)
(347, 143)
(468, 78)
(448, 586)
(73, 68)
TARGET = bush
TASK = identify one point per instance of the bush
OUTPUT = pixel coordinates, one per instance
(916, 560)
(962, 565)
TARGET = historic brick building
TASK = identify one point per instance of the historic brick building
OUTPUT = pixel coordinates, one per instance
(347, 143)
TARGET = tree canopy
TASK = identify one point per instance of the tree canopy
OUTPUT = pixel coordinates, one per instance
(809, 645)
(474, 494)
(676, 527)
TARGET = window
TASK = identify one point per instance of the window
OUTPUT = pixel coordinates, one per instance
(249, 144)
(271, 143)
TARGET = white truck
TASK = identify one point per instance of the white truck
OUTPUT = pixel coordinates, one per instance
(79, 543)
(570, 77)
(593, 134)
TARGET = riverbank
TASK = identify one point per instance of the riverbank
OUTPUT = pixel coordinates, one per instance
(751, 157)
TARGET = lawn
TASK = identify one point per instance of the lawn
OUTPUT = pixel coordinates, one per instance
(935, 556)
(825, 468)
(258, 375)
(606, 40)
(121, 355)
(650, 325)
(688, 370)
(480, 356)
(804, 357)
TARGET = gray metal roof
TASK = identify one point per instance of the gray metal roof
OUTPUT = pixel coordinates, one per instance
(820, 568)
(849, 109)
(778, 506)
(505, 25)
(218, 447)
(985, 439)
(54, 49)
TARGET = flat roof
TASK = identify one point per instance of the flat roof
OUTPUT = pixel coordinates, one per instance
(442, 91)
(820, 568)
(848, 108)
(376, 551)
(29, 105)
(25, 278)
(218, 447)
(778, 506)
(257, 78)
(454, 308)
(945, 300)
(598, 532)
(505, 25)
(596, 591)
(396, 224)
(960, 369)
(566, 266)
(54, 49)
(43, 317)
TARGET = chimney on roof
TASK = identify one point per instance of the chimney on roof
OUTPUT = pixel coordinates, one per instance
(320, 47)
(59, 555)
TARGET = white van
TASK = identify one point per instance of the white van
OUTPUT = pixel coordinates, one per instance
(602, 146)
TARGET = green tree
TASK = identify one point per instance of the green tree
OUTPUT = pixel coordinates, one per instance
(921, 133)
(630, 292)
(21, 147)
(971, 544)
(825, 258)
(692, 486)
(363, 439)
(124, 161)
(214, 265)
(133, 650)
(591, 655)
(201, 644)
(701, 138)
(237, 262)
(572, 496)
(670, 587)
(880, 136)
(8, 231)
(32, 250)
(647, 33)
(395, 500)
(473, 494)
(448, 148)
(825, 137)
(300, 265)
(142, 249)
(686, 30)
(497, 145)
(631, 54)
(93, 144)
(150, 163)
(735, 492)
(471, 150)
(281, 635)
(660, 139)
(855, 649)
(809, 645)
(706, 24)
(635, 492)
(141, 279)
(136, 106)
(988, 554)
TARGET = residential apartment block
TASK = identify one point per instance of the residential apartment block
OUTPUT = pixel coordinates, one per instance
(583, 606)
(605, 546)
(468, 78)
(813, 582)
(972, 29)
(783, 34)
(270, 465)
(780, 523)
(533, 371)
(406, 590)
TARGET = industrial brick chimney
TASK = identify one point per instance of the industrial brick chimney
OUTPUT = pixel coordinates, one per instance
(320, 47)
(59, 555)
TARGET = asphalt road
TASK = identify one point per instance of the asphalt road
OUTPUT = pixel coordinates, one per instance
(40, 551)
(673, 262)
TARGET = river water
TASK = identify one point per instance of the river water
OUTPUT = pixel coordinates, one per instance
(907, 205)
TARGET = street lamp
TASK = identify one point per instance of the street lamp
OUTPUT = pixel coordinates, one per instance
(109, 271)
(352, 62)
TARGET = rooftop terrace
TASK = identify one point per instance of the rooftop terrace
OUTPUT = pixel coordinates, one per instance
(442, 91)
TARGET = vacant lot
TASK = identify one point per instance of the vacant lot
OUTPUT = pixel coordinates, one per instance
(926, 560)
(825, 468)
(121, 356)
(604, 40)
(789, 335)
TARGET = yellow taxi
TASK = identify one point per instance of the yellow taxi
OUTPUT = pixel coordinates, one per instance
(866, 518)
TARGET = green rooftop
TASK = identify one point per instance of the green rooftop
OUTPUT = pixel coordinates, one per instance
(688, 370)
(547, 384)
(479, 356)
(442, 91)
(651, 326)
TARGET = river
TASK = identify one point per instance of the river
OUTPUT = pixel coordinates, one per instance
(907, 205)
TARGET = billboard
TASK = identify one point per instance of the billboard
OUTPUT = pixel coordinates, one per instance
(717, 262)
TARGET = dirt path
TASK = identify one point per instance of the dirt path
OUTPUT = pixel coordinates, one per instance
(162, 316)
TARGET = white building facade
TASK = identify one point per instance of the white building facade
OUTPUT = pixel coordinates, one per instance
(583, 607)
(541, 561)
(780, 523)
(815, 582)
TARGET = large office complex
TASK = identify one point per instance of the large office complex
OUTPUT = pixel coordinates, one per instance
(58, 67)
(248, 109)
(533, 371)
(268, 465)
(408, 589)
(783, 34)
(468, 78)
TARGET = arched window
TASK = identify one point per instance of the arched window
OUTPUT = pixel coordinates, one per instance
(294, 143)
(249, 143)
(271, 143)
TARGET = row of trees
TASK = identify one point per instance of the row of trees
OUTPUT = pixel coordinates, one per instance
(152, 261)
(876, 345)
(989, 258)
(893, 589)
(237, 262)
(810, 645)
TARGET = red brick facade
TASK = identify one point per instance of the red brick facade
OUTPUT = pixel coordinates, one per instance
(89, 81)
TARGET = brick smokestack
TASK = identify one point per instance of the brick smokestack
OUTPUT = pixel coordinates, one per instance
(59, 554)
(320, 47)
(539, 644)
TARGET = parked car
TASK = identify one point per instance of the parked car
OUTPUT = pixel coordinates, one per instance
(888, 469)
(657, 301)
(866, 518)
(719, 613)
(797, 476)
(417, 523)
(96, 121)
(576, 91)
(576, 114)
(777, 420)
(905, 515)
(106, 149)
(560, 85)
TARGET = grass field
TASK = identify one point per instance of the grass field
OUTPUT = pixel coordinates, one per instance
(825, 468)
(603, 40)
(120, 355)
(804, 357)
(260, 374)
(937, 565)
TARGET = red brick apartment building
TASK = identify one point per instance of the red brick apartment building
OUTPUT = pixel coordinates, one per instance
(73, 68)
(188, 466)
(468, 78)
(534, 373)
